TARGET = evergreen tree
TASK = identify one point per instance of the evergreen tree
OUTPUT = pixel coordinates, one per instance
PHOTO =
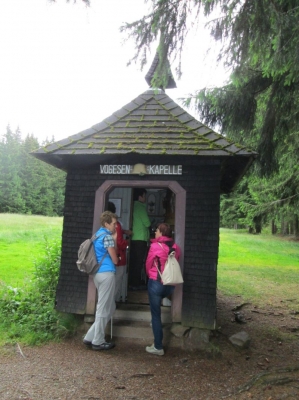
(28, 185)
(30, 174)
(53, 188)
(10, 183)
(260, 44)
(259, 106)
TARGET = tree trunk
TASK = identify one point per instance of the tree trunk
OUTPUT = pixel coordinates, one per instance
(284, 227)
(291, 225)
(257, 220)
(296, 226)
(273, 228)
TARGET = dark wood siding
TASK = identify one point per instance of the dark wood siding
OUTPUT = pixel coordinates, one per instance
(201, 247)
(201, 180)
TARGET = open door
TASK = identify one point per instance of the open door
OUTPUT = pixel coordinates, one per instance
(110, 189)
(160, 208)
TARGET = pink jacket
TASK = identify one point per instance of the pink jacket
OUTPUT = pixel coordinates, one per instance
(158, 255)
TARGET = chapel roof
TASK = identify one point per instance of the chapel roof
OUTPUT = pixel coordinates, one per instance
(150, 125)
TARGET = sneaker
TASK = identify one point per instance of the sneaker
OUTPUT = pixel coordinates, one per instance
(103, 346)
(87, 343)
(166, 302)
(152, 349)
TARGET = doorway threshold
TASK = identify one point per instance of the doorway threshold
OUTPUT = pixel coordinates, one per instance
(137, 297)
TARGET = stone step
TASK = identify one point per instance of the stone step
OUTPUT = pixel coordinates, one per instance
(133, 321)
(139, 312)
(135, 329)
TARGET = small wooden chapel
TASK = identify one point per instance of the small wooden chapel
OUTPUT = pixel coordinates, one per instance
(153, 143)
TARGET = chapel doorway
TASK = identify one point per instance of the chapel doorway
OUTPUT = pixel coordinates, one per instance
(175, 212)
(160, 207)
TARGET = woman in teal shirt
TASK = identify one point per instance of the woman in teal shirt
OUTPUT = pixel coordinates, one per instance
(104, 280)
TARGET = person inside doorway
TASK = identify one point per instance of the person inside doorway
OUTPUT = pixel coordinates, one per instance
(139, 242)
(121, 266)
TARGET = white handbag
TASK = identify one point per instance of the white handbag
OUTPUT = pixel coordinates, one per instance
(172, 274)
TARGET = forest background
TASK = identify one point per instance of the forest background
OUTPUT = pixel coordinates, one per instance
(27, 185)
(258, 108)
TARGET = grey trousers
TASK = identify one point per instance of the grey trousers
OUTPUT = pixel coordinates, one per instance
(105, 284)
(119, 276)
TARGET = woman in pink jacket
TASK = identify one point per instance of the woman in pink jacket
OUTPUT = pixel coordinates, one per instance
(156, 258)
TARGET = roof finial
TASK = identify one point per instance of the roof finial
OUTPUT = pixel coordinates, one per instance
(160, 75)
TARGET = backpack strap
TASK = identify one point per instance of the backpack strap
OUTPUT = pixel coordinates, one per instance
(100, 263)
(94, 238)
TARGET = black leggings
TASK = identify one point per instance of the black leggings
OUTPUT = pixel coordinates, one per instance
(138, 255)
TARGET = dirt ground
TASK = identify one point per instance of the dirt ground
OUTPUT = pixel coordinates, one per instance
(268, 370)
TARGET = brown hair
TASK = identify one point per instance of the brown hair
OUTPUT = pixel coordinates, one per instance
(138, 192)
(165, 229)
(111, 207)
(107, 217)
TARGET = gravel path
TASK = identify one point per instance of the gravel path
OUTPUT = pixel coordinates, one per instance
(69, 370)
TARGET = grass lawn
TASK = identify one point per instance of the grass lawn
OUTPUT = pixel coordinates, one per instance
(22, 240)
(263, 269)
(260, 267)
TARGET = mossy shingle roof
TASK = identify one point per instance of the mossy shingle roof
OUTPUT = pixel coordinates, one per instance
(150, 124)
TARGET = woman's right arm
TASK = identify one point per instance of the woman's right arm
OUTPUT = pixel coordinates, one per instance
(150, 258)
(121, 242)
(113, 255)
(113, 250)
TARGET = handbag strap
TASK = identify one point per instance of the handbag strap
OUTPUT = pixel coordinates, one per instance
(156, 261)
(163, 247)
(168, 252)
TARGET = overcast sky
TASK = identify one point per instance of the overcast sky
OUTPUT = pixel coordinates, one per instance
(63, 66)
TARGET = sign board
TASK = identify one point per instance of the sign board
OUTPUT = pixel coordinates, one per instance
(141, 169)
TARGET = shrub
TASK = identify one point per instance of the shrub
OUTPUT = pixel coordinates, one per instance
(28, 314)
